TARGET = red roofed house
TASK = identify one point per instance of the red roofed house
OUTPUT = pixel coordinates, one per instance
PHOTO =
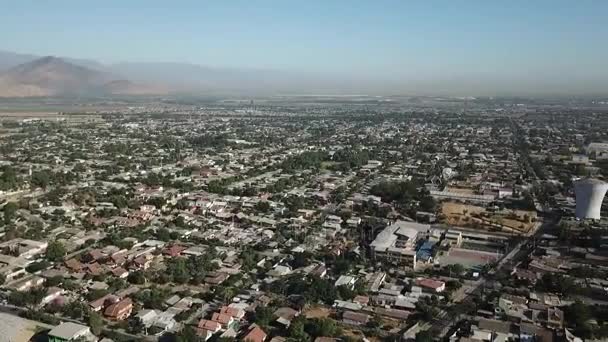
(431, 284)
(142, 262)
(94, 255)
(225, 320)
(120, 272)
(102, 302)
(207, 328)
(74, 265)
(255, 334)
(204, 334)
(94, 269)
(119, 311)
(355, 318)
(174, 251)
(235, 313)
(212, 326)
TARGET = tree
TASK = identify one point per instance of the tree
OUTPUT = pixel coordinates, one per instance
(263, 316)
(323, 327)
(296, 330)
(262, 206)
(55, 251)
(137, 277)
(135, 326)
(188, 334)
(37, 266)
(41, 179)
(30, 299)
(119, 201)
(96, 323)
(10, 210)
(163, 234)
(578, 315)
(178, 268)
(153, 298)
(424, 336)
(74, 309)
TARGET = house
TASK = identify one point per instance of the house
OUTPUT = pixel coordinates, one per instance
(69, 331)
(353, 222)
(25, 284)
(94, 269)
(494, 326)
(165, 320)
(555, 318)
(347, 281)
(326, 339)
(146, 317)
(120, 310)
(174, 250)
(52, 293)
(120, 272)
(255, 334)
(209, 325)
(225, 320)
(235, 313)
(431, 285)
(355, 318)
(362, 300)
(347, 305)
(94, 255)
(74, 265)
(279, 271)
(522, 274)
(319, 271)
(204, 334)
(100, 303)
(24, 248)
(216, 278)
(285, 315)
(375, 280)
(142, 262)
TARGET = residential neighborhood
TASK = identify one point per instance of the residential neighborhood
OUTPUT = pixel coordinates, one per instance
(293, 222)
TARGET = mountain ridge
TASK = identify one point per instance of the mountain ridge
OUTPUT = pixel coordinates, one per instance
(52, 76)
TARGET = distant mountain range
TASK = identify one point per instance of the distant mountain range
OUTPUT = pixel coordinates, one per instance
(52, 76)
(26, 75)
(31, 75)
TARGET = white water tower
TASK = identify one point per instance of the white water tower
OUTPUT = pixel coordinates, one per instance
(589, 197)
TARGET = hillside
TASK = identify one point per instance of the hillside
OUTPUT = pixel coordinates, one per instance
(52, 76)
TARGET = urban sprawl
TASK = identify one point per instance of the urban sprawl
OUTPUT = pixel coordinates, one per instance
(318, 219)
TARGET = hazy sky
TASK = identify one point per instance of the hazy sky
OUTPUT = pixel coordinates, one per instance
(419, 41)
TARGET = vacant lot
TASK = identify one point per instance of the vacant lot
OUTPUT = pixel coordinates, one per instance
(465, 215)
(17, 329)
(317, 312)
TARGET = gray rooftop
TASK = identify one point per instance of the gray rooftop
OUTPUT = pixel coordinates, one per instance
(69, 330)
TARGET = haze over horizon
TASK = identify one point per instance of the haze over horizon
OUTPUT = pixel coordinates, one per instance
(467, 48)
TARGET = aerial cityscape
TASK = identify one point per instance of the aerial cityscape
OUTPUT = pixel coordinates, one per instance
(144, 197)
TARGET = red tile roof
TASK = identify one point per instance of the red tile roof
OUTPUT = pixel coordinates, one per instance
(209, 325)
(117, 310)
(233, 312)
(221, 318)
(429, 283)
(256, 334)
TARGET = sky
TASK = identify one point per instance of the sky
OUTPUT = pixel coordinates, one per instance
(438, 43)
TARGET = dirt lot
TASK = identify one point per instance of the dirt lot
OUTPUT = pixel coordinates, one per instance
(317, 312)
(464, 215)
